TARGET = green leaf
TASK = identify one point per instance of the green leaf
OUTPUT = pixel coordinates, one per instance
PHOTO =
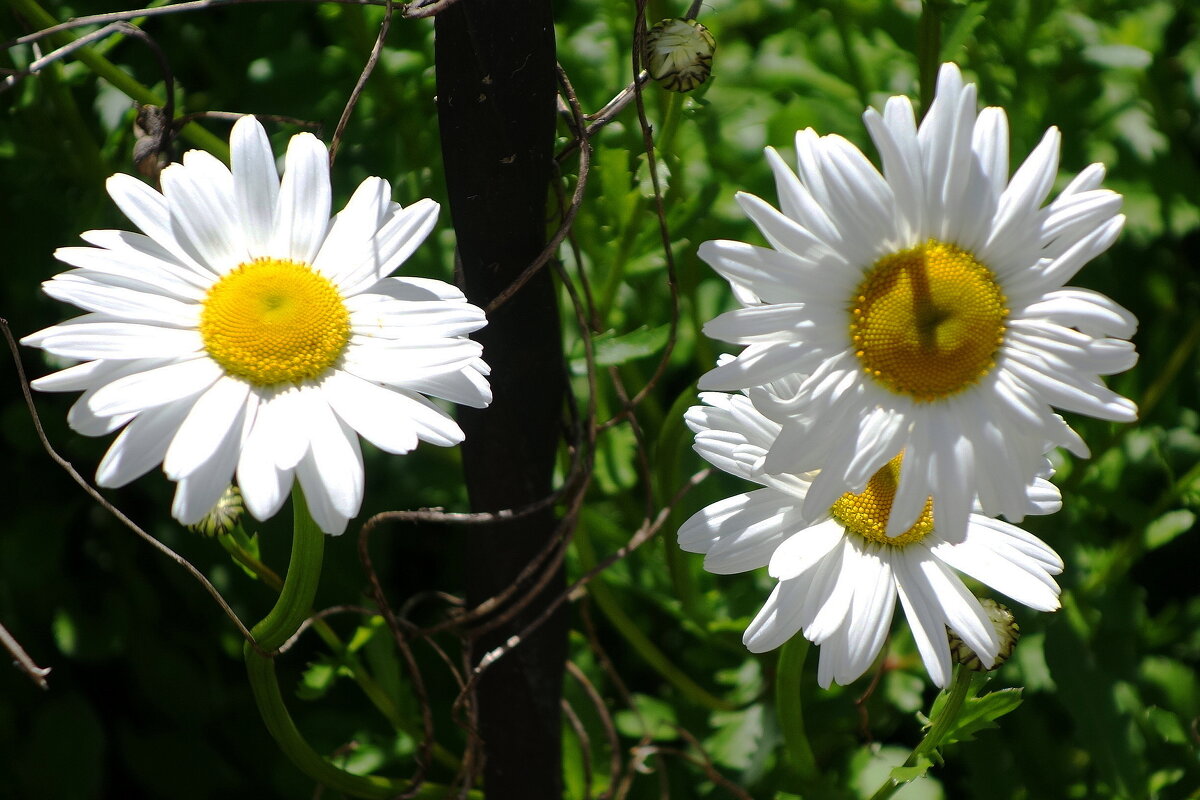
(652, 719)
(737, 738)
(871, 767)
(1167, 725)
(612, 349)
(980, 713)
(316, 679)
(906, 774)
(1167, 527)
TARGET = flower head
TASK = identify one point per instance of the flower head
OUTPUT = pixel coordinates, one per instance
(923, 310)
(246, 333)
(841, 574)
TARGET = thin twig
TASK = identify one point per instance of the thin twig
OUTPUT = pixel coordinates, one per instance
(21, 659)
(606, 722)
(319, 615)
(644, 534)
(423, 8)
(158, 11)
(425, 751)
(585, 746)
(38, 64)
(639, 38)
(368, 68)
(109, 507)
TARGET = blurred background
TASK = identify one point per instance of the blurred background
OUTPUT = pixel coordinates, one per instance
(148, 696)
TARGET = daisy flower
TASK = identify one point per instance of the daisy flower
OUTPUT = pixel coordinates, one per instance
(841, 574)
(925, 310)
(246, 333)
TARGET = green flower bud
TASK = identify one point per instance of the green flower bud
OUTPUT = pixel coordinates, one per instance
(1007, 630)
(223, 516)
(679, 54)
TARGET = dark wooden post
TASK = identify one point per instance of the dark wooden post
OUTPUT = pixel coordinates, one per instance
(496, 89)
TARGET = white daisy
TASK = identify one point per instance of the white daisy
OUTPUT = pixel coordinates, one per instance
(925, 309)
(248, 333)
(839, 576)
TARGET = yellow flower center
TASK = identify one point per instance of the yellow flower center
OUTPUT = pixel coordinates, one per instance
(928, 322)
(867, 514)
(272, 321)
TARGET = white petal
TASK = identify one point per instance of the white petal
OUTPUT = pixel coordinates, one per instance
(85, 338)
(390, 419)
(219, 410)
(122, 302)
(264, 486)
(148, 210)
(962, 610)
(925, 615)
(141, 446)
(987, 558)
(196, 494)
(255, 183)
(741, 532)
(349, 255)
(801, 551)
(871, 609)
(204, 220)
(302, 211)
(403, 233)
(335, 454)
(155, 387)
(466, 387)
(140, 262)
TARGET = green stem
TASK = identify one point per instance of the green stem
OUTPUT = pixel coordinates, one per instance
(929, 50)
(291, 609)
(300, 586)
(632, 633)
(104, 68)
(791, 713)
(279, 722)
(937, 731)
(374, 692)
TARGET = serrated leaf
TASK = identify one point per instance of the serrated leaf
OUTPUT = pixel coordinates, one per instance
(906, 774)
(980, 713)
(737, 738)
(653, 719)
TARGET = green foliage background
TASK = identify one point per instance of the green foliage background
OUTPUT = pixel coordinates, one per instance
(148, 696)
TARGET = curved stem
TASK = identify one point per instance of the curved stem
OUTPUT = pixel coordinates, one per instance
(379, 698)
(791, 713)
(291, 609)
(300, 585)
(937, 730)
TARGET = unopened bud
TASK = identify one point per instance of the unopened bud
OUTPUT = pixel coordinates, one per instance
(679, 54)
(223, 516)
(1007, 631)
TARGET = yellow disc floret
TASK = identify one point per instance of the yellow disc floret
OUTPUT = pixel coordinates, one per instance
(272, 321)
(867, 513)
(928, 322)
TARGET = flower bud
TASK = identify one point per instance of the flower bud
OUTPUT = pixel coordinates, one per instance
(223, 516)
(679, 54)
(1007, 631)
